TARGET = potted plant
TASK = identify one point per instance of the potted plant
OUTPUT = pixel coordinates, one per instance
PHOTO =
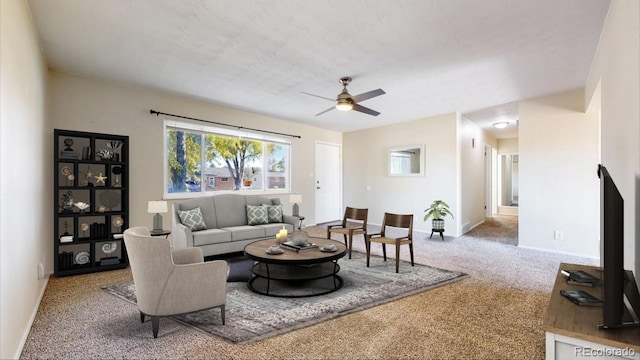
(438, 210)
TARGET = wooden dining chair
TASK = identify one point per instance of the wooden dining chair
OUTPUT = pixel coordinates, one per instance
(396, 221)
(348, 230)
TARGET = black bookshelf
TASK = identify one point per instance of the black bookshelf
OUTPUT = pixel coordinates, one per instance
(90, 169)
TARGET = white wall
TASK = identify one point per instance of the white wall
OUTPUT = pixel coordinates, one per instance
(616, 70)
(472, 140)
(558, 150)
(83, 104)
(508, 146)
(366, 183)
(26, 222)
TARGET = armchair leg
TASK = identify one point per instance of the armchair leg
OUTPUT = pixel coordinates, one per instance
(222, 312)
(141, 317)
(367, 244)
(411, 251)
(155, 325)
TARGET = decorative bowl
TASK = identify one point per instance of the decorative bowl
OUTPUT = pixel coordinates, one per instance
(299, 238)
(81, 205)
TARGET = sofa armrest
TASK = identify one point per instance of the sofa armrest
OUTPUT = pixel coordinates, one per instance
(292, 220)
(181, 235)
(191, 255)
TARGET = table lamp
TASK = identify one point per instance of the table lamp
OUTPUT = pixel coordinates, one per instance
(157, 207)
(295, 199)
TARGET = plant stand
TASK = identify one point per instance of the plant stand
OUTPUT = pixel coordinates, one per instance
(441, 231)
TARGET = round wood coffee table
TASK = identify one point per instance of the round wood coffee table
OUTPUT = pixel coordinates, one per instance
(308, 272)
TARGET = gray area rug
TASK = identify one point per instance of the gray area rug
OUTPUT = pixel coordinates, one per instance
(251, 316)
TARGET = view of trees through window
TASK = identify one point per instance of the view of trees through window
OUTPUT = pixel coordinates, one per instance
(200, 162)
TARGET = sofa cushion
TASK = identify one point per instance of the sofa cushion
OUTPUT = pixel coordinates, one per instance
(246, 232)
(192, 219)
(206, 207)
(230, 210)
(211, 236)
(274, 213)
(257, 215)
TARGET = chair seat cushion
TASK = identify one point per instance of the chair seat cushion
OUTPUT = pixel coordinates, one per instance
(346, 231)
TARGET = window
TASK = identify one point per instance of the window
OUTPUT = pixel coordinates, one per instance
(207, 159)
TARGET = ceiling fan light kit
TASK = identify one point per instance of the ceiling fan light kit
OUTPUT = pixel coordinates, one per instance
(346, 102)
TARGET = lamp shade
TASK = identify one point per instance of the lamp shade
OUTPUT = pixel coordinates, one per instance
(157, 207)
(295, 198)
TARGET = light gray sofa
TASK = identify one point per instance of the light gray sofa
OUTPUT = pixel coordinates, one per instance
(227, 226)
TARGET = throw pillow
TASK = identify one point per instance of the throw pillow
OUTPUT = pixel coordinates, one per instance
(192, 219)
(257, 215)
(274, 212)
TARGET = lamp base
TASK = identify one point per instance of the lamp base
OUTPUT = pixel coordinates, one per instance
(295, 210)
(157, 222)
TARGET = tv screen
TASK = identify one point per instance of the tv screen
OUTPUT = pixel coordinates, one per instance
(612, 236)
(621, 301)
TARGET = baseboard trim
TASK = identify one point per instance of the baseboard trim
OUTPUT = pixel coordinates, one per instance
(23, 341)
(559, 252)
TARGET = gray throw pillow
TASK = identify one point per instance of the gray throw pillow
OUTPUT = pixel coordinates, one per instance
(192, 219)
(274, 213)
(257, 215)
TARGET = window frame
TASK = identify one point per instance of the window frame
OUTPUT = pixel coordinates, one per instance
(219, 131)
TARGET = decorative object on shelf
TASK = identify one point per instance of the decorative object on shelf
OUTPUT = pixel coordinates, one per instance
(108, 248)
(68, 152)
(299, 237)
(84, 227)
(67, 202)
(157, 207)
(82, 258)
(100, 179)
(66, 238)
(104, 154)
(68, 173)
(70, 180)
(87, 177)
(110, 199)
(438, 210)
(117, 222)
(82, 206)
(86, 153)
(115, 145)
(282, 235)
(101, 209)
(295, 199)
(117, 171)
(66, 227)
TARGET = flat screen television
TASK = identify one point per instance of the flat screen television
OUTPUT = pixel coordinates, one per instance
(620, 296)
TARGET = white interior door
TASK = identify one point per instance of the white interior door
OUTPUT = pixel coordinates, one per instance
(487, 182)
(328, 170)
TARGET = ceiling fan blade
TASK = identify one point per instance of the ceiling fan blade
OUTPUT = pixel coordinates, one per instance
(365, 110)
(329, 109)
(318, 96)
(368, 95)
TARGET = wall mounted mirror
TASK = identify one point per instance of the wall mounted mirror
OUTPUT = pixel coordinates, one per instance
(406, 160)
(508, 179)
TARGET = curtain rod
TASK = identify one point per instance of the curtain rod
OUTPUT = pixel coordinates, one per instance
(157, 113)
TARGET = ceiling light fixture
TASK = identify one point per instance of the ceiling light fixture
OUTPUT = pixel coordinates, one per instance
(344, 104)
(501, 125)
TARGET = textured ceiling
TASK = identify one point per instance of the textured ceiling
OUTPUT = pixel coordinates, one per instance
(430, 56)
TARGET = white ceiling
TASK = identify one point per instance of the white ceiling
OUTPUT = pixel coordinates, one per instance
(430, 56)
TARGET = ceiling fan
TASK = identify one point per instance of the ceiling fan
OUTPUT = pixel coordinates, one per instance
(346, 102)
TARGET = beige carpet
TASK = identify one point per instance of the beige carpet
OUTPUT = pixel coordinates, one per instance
(495, 314)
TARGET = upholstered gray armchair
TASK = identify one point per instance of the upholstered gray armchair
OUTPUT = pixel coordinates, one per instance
(173, 282)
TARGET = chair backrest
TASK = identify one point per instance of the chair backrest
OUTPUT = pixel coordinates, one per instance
(355, 214)
(402, 221)
(151, 264)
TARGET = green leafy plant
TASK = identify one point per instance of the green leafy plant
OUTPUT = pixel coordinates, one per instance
(437, 210)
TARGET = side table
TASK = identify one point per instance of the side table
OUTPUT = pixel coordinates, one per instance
(164, 233)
